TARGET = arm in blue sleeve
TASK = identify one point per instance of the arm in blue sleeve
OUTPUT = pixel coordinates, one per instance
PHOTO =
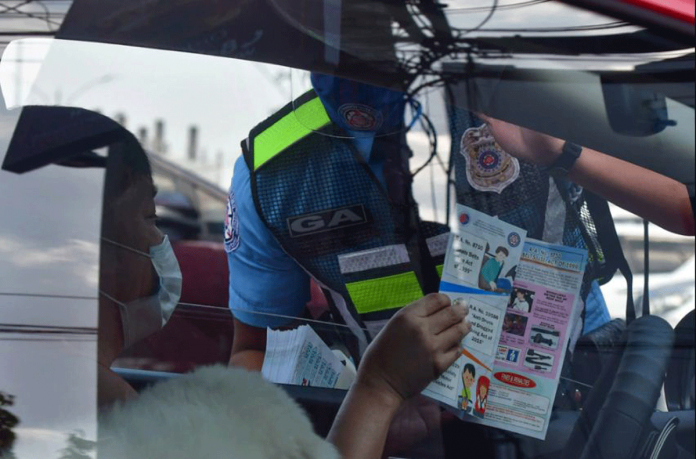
(267, 287)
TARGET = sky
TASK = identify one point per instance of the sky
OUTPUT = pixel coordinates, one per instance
(48, 277)
(224, 98)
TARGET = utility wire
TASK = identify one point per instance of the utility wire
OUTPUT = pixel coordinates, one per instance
(492, 11)
(49, 327)
(15, 331)
(585, 28)
(480, 9)
(53, 340)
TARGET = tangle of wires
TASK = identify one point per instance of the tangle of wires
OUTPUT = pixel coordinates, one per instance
(424, 26)
(431, 134)
(424, 36)
(48, 13)
(433, 159)
(434, 84)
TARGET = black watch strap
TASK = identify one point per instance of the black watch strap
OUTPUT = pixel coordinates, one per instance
(564, 163)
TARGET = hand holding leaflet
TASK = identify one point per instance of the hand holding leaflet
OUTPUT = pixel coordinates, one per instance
(416, 345)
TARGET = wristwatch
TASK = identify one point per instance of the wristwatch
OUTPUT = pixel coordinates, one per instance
(564, 163)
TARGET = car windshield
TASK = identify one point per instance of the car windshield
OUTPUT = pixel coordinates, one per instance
(266, 185)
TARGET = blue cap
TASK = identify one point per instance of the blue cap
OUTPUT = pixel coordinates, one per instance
(357, 107)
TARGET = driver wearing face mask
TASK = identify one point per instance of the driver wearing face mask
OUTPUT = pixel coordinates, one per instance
(140, 279)
(144, 316)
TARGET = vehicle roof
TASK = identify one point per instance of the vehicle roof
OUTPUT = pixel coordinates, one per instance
(300, 37)
(580, 47)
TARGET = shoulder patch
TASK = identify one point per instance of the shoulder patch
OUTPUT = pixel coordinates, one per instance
(231, 225)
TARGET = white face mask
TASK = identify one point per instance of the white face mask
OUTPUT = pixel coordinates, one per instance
(143, 317)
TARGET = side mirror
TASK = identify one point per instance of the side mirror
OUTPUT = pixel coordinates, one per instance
(61, 135)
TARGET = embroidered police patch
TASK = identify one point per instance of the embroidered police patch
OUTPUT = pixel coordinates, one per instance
(360, 117)
(488, 167)
(231, 225)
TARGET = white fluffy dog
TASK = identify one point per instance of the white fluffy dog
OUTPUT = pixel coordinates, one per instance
(215, 412)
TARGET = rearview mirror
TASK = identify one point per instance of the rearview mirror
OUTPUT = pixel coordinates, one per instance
(633, 110)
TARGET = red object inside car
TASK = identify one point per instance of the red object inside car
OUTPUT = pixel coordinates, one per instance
(682, 10)
(204, 269)
(201, 329)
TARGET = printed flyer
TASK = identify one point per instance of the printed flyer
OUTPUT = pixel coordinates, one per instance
(300, 357)
(480, 266)
(510, 366)
(536, 330)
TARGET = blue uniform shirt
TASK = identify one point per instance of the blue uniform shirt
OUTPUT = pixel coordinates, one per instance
(596, 312)
(267, 287)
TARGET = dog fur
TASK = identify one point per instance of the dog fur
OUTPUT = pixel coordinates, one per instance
(214, 412)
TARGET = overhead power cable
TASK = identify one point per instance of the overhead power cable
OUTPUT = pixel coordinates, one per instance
(481, 9)
(583, 28)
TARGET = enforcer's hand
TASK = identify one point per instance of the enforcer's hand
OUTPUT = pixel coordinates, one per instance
(522, 143)
(419, 343)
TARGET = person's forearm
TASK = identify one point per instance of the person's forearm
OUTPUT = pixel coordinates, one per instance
(646, 193)
(111, 387)
(249, 359)
(653, 196)
(360, 428)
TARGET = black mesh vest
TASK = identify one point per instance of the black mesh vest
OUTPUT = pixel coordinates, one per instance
(330, 213)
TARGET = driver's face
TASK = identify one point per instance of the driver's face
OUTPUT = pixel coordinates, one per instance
(132, 224)
(136, 216)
